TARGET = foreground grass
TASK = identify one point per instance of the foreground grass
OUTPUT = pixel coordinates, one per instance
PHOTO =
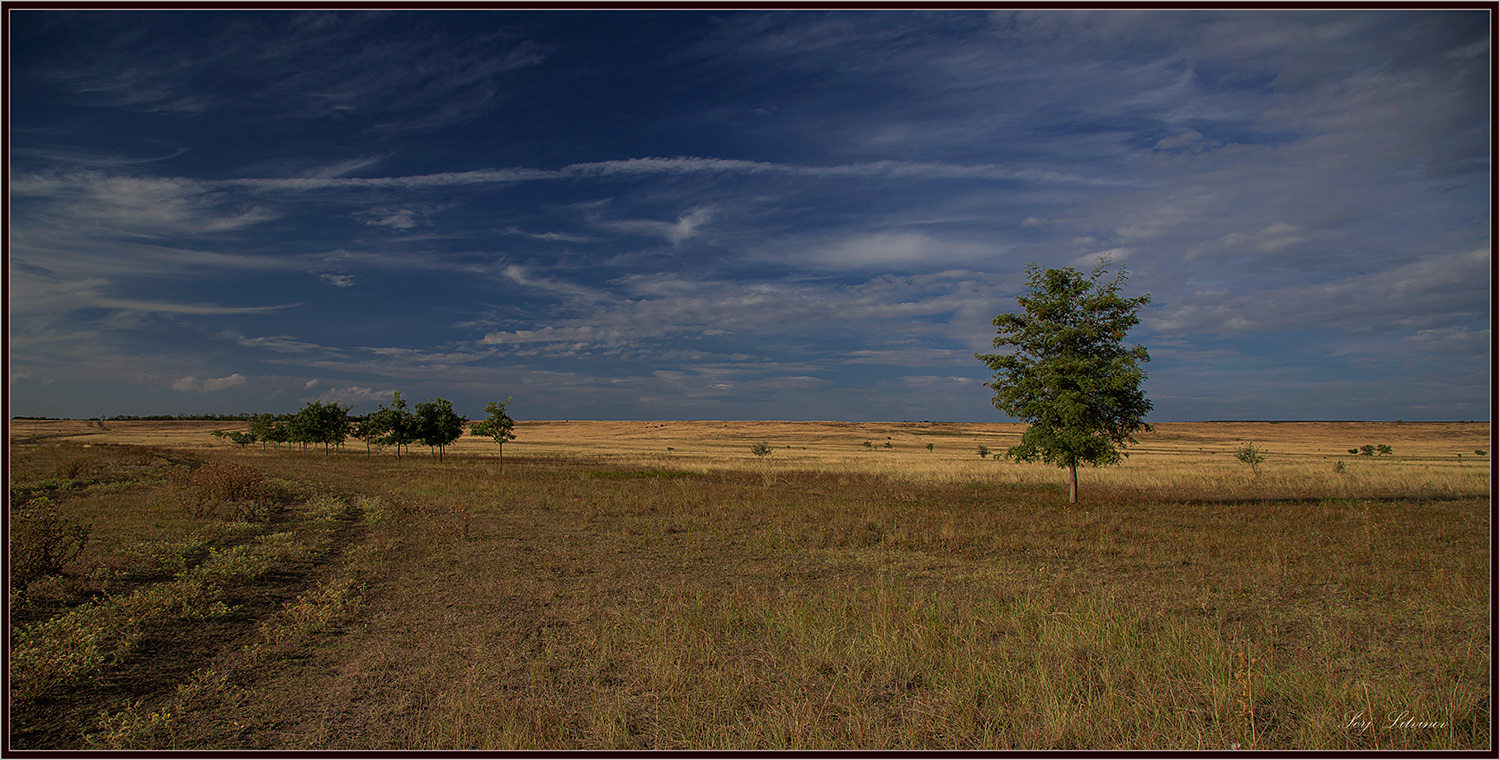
(589, 605)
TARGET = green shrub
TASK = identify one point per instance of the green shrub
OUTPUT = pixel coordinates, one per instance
(1252, 455)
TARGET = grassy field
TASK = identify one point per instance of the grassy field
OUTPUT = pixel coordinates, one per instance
(645, 585)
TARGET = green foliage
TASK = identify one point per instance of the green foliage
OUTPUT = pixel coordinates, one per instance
(367, 429)
(1252, 455)
(1383, 450)
(437, 425)
(498, 425)
(395, 424)
(328, 424)
(1353, 451)
(760, 449)
(1367, 450)
(1480, 452)
(42, 543)
(929, 447)
(241, 438)
(868, 445)
(1069, 373)
(983, 450)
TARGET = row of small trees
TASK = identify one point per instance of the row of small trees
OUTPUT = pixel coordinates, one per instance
(430, 423)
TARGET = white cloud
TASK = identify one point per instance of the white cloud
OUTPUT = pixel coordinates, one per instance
(338, 280)
(352, 394)
(398, 219)
(1418, 295)
(279, 343)
(686, 226)
(118, 204)
(895, 250)
(193, 384)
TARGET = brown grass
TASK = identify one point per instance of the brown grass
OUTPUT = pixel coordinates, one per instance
(605, 593)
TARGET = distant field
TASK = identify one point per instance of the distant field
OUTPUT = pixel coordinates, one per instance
(654, 585)
(1195, 456)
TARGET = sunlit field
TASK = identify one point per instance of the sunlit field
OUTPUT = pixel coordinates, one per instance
(656, 585)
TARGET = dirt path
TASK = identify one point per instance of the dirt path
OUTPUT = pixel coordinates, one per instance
(170, 651)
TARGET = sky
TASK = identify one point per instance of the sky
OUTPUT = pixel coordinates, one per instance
(725, 214)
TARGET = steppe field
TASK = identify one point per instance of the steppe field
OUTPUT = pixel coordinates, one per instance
(655, 585)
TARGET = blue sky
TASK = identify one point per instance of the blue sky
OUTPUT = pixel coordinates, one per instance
(741, 215)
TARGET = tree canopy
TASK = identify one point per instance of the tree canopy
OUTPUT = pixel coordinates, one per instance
(498, 426)
(437, 425)
(1069, 373)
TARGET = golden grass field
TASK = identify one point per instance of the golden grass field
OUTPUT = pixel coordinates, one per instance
(654, 585)
(1193, 456)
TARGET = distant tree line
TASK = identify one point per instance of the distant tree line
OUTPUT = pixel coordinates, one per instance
(241, 417)
(430, 423)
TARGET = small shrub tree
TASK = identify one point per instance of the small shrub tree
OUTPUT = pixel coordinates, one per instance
(760, 449)
(499, 426)
(1252, 455)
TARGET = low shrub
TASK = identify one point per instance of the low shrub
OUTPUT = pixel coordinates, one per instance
(203, 490)
(41, 543)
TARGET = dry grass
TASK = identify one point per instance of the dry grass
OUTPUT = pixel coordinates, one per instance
(606, 593)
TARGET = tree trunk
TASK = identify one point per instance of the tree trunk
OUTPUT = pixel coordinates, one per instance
(1073, 484)
(501, 466)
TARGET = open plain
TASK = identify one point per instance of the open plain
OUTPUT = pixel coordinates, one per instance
(644, 585)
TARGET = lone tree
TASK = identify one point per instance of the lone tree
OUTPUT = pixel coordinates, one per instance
(497, 426)
(1069, 373)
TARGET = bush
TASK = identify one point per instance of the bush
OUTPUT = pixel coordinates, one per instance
(984, 451)
(41, 543)
(205, 488)
(1252, 455)
(760, 449)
